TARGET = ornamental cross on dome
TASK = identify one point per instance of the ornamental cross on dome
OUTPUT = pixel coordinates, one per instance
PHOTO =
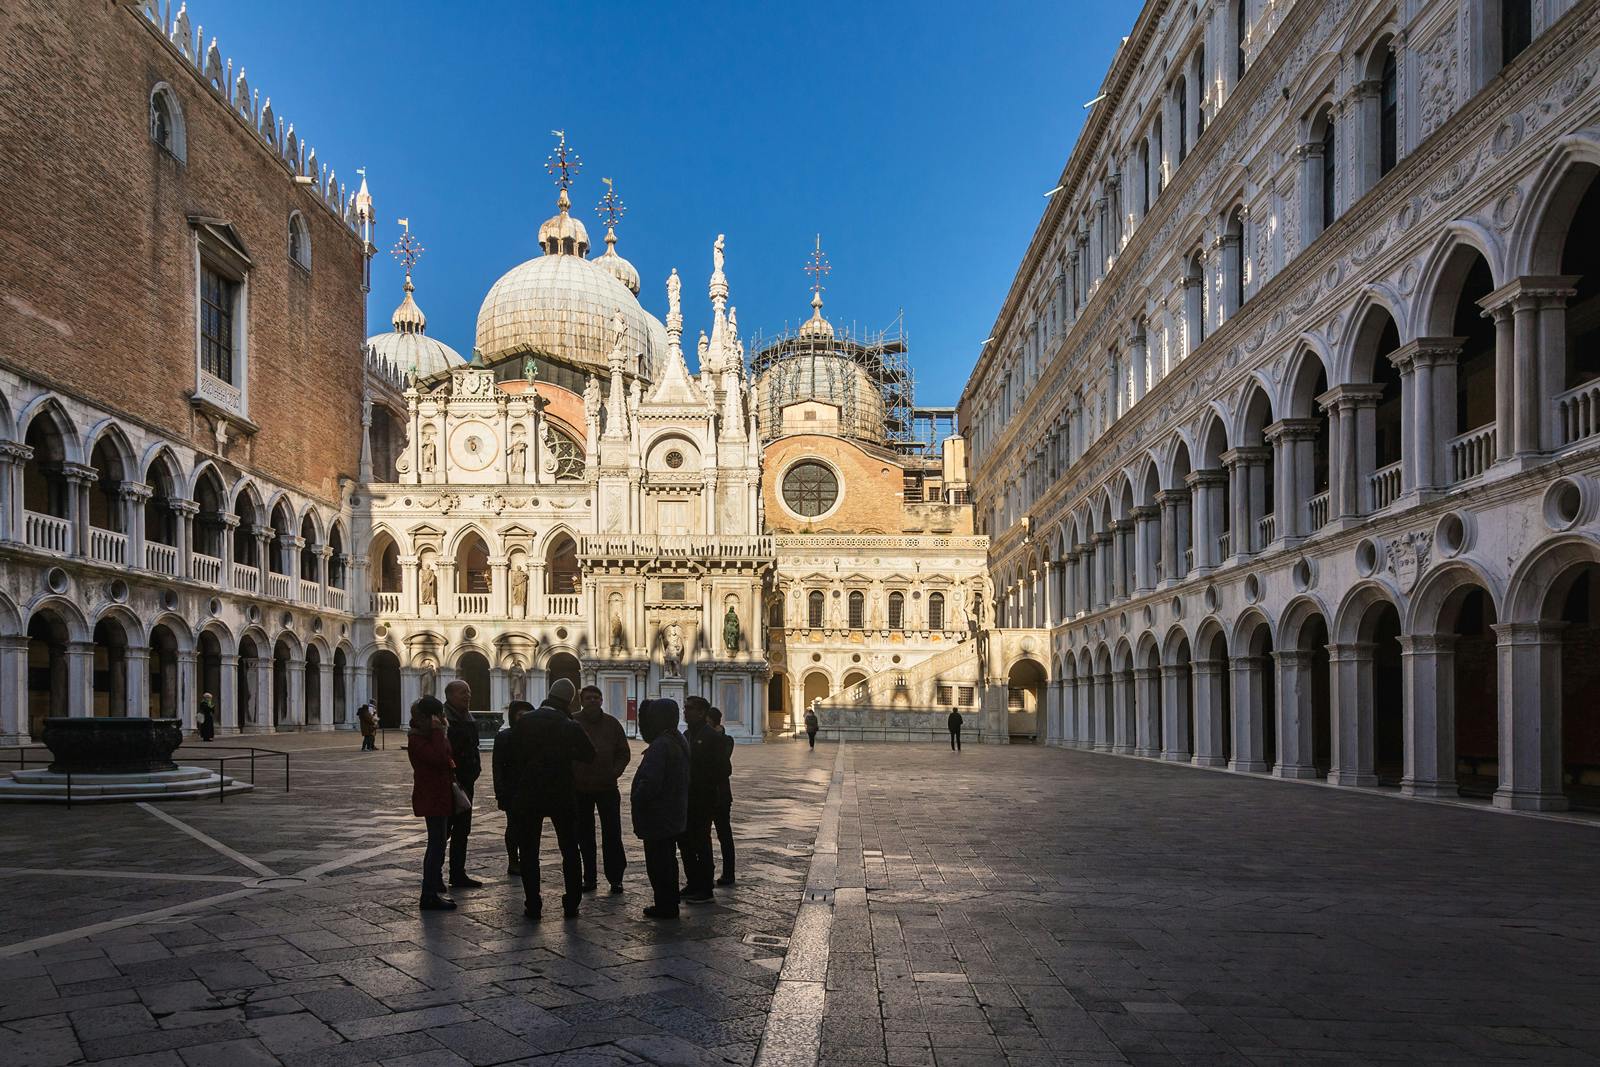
(408, 249)
(817, 266)
(563, 164)
(611, 208)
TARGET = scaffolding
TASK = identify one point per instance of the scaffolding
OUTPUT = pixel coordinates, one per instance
(866, 375)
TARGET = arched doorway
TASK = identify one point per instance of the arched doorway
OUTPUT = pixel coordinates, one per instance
(110, 669)
(1025, 684)
(1368, 695)
(385, 667)
(1578, 597)
(281, 708)
(1124, 698)
(1255, 704)
(1177, 685)
(560, 665)
(816, 687)
(1213, 698)
(47, 670)
(1151, 741)
(209, 661)
(473, 668)
(311, 687)
(1305, 745)
(562, 576)
(252, 712)
(341, 695)
(778, 704)
(163, 671)
(851, 680)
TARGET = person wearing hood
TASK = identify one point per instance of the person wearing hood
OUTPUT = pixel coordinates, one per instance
(545, 743)
(660, 802)
(432, 798)
(596, 783)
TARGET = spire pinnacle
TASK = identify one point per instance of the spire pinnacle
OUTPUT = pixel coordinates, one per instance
(563, 165)
(818, 267)
(408, 317)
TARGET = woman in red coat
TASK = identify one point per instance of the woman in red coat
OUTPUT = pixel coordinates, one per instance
(428, 747)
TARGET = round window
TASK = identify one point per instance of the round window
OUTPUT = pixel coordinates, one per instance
(674, 459)
(809, 488)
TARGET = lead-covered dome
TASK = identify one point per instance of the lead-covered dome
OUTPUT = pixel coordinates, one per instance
(408, 348)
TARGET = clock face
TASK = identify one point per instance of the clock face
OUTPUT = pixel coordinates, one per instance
(472, 446)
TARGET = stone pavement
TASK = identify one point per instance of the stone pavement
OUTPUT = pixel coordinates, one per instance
(1042, 906)
(1001, 905)
(142, 935)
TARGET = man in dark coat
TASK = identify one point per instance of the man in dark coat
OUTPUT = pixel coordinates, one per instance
(705, 756)
(469, 765)
(722, 817)
(953, 723)
(597, 793)
(660, 802)
(505, 784)
(545, 744)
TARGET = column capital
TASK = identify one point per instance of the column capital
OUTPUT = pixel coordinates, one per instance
(15, 451)
(1426, 352)
(1147, 512)
(1207, 478)
(1351, 396)
(1172, 497)
(1295, 429)
(1528, 633)
(1427, 644)
(1147, 674)
(1247, 455)
(1532, 290)
(1292, 658)
(183, 507)
(1351, 652)
(79, 472)
(135, 491)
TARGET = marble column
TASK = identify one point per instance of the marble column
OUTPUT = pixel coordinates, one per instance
(1296, 755)
(325, 694)
(1210, 675)
(1085, 705)
(80, 679)
(1147, 546)
(1428, 664)
(1530, 716)
(1168, 502)
(1148, 733)
(227, 693)
(14, 725)
(1249, 708)
(1350, 698)
(136, 677)
(1104, 731)
(1176, 742)
(1124, 711)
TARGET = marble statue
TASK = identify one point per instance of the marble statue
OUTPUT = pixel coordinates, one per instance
(517, 453)
(428, 585)
(519, 588)
(674, 649)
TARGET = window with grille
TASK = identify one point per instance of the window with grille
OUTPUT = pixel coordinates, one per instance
(946, 694)
(219, 297)
(814, 604)
(897, 611)
(810, 488)
(858, 611)
(1014, 700)
(966, 696)
(936, 611)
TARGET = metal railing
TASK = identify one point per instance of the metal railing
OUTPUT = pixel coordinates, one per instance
(1318, 509)
(45, 531)
(18, 757)
(1385, 486)
(1578, 412)
(108, 546)
(1471, 453)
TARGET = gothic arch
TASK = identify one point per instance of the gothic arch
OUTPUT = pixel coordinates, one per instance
(1298, 395)
(46, 405)
(110, 431)
(192, 483)
(1342, 369)
(465, 648)
(453, 544)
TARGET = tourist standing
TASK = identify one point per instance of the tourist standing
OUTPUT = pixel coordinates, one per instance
(469, 765)
(505, 783)
(432, 798)
(812, 725)
(207, 716)
(369, 727)
(545, 744)
(705, 753)
(659, 802)
(953, 724)
(722, 817)
(596, 786)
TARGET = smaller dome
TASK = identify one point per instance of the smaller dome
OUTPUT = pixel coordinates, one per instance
(562, 234)
(408, 348)
(816, 326)
(615, 265)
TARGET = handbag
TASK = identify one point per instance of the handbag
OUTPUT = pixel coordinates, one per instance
(463, 803)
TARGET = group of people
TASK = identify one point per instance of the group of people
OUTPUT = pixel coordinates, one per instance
(563, 764)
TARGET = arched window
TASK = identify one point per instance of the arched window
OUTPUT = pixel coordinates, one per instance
(1233, 260)
(1194, 319)
(1180, 97)
(936, 611)
(1241, 32)
(166, 122)
(1200, 82)
(897, 611)
(1144, 176)
(1155, 153)
(1330, 170)
(814, 603)
(1516, 28)
(858, 610)
(299, 241)
(1388, 116)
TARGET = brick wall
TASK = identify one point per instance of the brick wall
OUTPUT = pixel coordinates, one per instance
(873, 486)
(97, 272)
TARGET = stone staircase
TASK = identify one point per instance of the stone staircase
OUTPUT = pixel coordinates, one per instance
(903, 703)
(185, 783)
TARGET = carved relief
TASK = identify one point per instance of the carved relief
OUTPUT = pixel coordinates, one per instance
(1436, 91)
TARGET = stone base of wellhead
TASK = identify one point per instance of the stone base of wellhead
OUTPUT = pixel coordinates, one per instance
(180, 783)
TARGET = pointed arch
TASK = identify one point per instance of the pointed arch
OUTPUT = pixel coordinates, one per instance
(50, 408)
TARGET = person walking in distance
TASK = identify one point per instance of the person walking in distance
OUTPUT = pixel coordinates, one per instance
(596, 784)
(545, 744)
(722, 817)
(659, 802)
(207, 715)
(953, 723)
(369, 727)
(705, 753)
(812, 725)
(432, 798)
(505, 783)
(469, 765)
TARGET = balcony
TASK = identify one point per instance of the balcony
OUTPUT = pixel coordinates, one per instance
(472, 603)
(561, 605)
(386, 603)
(1578, 412)
(1385, 486)
(1267, 530)
(310, 592)
(44, 531)
(1471, 453)
(280, 586)
(203, 568)
(1318, 508)
(163, 559)
(1188, 562)
(246, 577)
(108, 546)
(336, 598)
(1225, 545)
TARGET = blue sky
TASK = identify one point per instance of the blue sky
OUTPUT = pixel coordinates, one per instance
(917, 138)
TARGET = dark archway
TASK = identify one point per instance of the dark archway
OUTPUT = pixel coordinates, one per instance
(165, 697)
(385, 666)
(563, 665)
(473, 668)
(110, 669)
(47, 670)
(1024, 697)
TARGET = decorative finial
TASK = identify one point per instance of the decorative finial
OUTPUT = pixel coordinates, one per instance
(563, 165)
(407, 250)
(611, 209)
(817, 266)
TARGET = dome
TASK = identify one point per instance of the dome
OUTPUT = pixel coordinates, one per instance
(615, 265)
(561, 306)
(408, 348)
(562, 234)
(816, 326)
(819, 391)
